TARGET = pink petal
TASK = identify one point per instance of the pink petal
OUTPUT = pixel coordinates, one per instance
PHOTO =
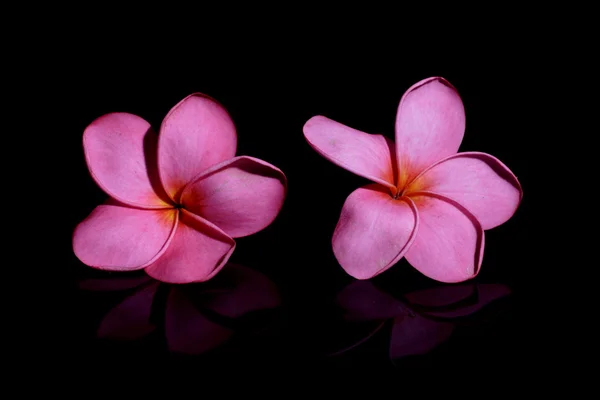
(196, 134)
(416, 335)
(188, 331)
(479, 182)
(449, 245)
(196, 253)
(374, 231)
(120, 150)
(115, 237)
(367, 155)
(362, 301)
(430, 125)
(241, 196)
(248, 290)
(130, 319)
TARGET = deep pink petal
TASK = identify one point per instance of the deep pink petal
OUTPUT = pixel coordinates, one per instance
(247, 290)
(241, 196)
(130, 319)
(187, 331)
(120, 150)
(362, 301)
(196, 253)
(196, 134)
(430, 125)
(450, 241)
(374, 231)
(479, 182)
(416, 335)
(367, 155)
(120, 238)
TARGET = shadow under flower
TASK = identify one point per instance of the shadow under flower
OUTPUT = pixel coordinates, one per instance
(193, 318)
(421, 320)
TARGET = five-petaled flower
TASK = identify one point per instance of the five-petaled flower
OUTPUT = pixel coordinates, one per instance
(177, 200)
(429, 203)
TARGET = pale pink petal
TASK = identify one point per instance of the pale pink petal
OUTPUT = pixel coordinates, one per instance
(120, 150)
(374, 231)
(416, 335)
(187, 331)
(130, 319)
(367, 155)
(121, 238)
(449, 245)
(478, 181)
(362, 301)
(196, 134)
(430, 125)
(196, 253)
(241, 196)
(246, 290)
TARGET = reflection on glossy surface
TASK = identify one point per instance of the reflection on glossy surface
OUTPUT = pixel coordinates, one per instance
(193, 318)
(421, 320)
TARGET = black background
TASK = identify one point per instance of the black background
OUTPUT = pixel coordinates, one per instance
(269, 100)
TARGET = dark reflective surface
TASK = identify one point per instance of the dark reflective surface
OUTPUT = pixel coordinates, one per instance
(241, 317)
(238, 309)
(416, 322)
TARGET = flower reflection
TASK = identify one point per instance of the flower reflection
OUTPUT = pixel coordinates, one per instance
(421, 320)
(193, 318)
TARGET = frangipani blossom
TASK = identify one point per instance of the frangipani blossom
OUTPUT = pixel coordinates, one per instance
(177, 199)
(428, 203)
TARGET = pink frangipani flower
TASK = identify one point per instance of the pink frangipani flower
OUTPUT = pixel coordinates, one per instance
(428, 203)
(177, 199)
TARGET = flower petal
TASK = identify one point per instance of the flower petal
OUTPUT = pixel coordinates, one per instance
(374, 231)
(366, 155)
(196, 253)
(187, 331)
(449, 245)
(119, 238)
(479, 182)
(241, 196)
(416, 335)
(196, 134)
(120, 151)
(430, 125)
(130, 319)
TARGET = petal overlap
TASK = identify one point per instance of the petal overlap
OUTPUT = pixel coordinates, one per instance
(196, 253)
(241, 196)
(374, 231)
(430, 125)
(120, 151)
(450, 242)
(120, 238)
(478, 181)
(196, 134)
(367, 155)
